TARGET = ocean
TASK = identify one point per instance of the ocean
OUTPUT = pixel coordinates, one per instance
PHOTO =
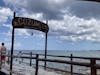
(86, 53)
(77, 69)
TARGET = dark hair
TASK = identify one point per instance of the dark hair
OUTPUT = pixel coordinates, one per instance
(2, 43)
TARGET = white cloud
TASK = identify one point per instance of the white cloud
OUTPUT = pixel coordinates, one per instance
(25, 13)
(74, 28)
(5, 11)
(16, 3)
(50, 9)
(70, 27)
(7, 26)
(4, 14)
(22, 32)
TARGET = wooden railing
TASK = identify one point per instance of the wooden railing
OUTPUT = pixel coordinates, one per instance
(92, 64)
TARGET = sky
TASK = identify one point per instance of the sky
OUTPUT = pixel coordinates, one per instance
(73, 24)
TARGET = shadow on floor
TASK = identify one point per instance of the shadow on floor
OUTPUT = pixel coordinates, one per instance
(2, 73)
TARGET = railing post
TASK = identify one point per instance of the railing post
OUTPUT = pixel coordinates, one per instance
(20, 54)
(36, 72)
(93, 69)
(8, 57)
(30, 59)
(21, 58)
(71, 64)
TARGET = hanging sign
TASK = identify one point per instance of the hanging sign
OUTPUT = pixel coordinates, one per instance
(20, 22)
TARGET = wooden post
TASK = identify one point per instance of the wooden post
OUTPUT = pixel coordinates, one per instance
(11, 62)
(8, 57)
(45, 52)
(46, 36)
(20, 54)
(22, 58)
(37, 63)
(93, 69)
(71, 64)
(30, 59)
(12, 48)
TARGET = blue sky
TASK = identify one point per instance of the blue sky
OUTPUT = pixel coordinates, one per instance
(73, 25)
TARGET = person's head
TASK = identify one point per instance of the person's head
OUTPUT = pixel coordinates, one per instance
(2, 44)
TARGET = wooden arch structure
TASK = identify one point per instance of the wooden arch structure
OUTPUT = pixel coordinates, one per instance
(21, 22)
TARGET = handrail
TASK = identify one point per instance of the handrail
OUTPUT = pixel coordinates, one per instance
(58, 61)
(79, 57)
(92, 64)
(66, 62)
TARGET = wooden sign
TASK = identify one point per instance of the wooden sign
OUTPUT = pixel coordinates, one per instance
(20, 22)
